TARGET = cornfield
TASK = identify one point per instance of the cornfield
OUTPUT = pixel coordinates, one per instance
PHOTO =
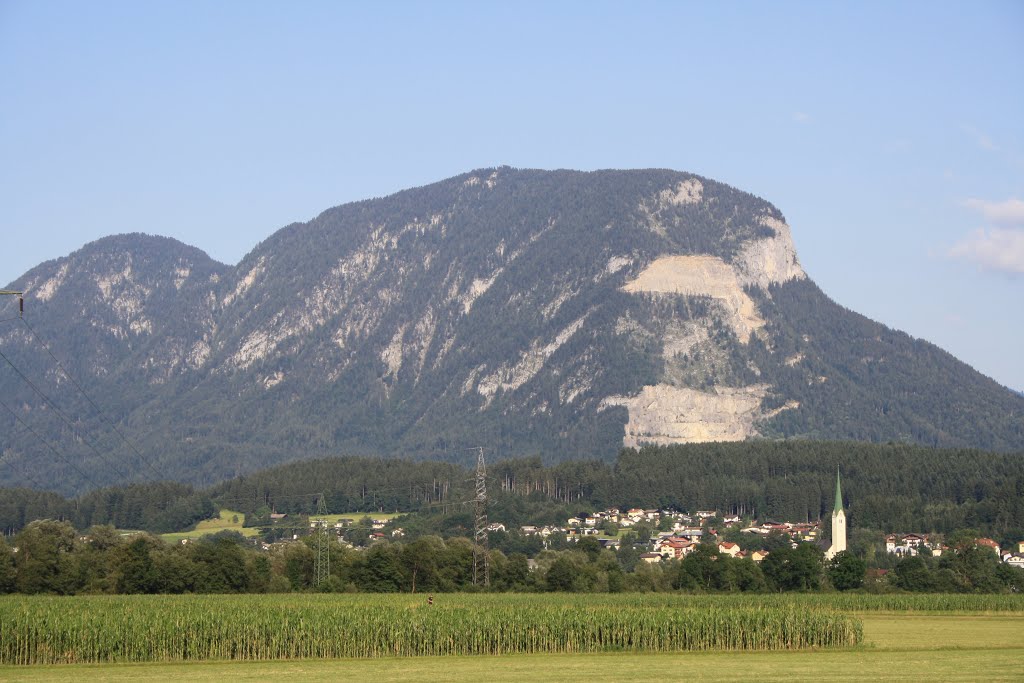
(50, 630)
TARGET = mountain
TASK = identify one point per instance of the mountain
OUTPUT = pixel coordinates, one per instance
(533, 312)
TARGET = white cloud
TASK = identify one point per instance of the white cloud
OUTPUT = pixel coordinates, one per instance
(1010, 212)
(801, 117)
(1000, 249)
(981, 138)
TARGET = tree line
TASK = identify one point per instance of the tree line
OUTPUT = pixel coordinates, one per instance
(888, 488)
(50, 557)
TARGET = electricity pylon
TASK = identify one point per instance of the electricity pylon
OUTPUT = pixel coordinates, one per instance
(481, 573)
(323, 542)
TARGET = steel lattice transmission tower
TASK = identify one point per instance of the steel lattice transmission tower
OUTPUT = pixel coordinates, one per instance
(481, 570)
(323, 542)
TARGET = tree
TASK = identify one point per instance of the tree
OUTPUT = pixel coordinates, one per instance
(7, 571)
(381, 571)
(138, 574)
(589, 546)
(703, 566)
(561, 575)
(420, 559)
(912, 574)
(44, 557)
(787, 569)
(514, 574)
(220, 564)
(296, 564)
(846, 571)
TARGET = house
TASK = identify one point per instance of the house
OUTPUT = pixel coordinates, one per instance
(612, 543)
(758, 555)
(573, 521)
(651, 558)
(528, 530)
(987, 543)
(496, 526)
(676, 548)
(730, 549)
(397, 533)
(706, 514)
(1015, 560)
(908, 545)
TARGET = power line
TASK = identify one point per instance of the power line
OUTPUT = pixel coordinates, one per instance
(39, 487)
(91, 402)
(27, 474)
(60, 414)
(46, 443)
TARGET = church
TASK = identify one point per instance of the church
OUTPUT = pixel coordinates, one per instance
(838, 525)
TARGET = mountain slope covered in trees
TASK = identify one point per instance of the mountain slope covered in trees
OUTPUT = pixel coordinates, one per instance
(886, 487)
(557, 313)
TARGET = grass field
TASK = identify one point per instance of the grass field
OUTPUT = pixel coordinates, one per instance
(225, 521)
(941, 647)
(354, 517)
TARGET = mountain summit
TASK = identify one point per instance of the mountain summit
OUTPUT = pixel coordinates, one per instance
(554, 312)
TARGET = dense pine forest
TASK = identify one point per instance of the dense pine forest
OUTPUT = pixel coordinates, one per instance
(888, 488)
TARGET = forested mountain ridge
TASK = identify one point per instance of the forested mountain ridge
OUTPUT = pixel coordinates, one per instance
(552, 312)
(886, 488)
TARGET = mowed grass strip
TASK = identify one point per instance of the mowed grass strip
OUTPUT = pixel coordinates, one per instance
(47, 630)
(807, 665)
(226, 520)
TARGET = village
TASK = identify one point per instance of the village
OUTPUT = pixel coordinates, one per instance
(678, 534)
(672, 534)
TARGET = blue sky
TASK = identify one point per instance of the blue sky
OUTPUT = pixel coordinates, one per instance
(891, 135)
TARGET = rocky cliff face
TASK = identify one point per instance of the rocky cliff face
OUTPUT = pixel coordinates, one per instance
(557, 312)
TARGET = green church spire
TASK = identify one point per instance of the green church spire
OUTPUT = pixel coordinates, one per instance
(839, 495)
